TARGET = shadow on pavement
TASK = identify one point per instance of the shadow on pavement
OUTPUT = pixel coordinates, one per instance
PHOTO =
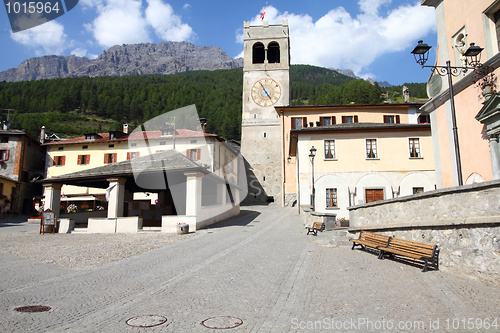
(244, 218)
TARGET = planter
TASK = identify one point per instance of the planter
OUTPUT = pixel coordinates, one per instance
(183, 228)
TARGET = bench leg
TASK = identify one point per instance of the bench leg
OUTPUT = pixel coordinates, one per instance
(425, 265)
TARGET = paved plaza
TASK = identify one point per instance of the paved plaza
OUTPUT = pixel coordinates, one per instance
(259, 272)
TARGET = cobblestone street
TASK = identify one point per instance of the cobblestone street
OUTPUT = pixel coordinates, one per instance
(259, 268)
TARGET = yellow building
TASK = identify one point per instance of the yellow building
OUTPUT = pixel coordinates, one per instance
(363, 153)
(475, 154)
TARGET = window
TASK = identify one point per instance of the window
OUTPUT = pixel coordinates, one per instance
(330, 149)
(424, 119)
(273, 53)
(60, 148)
(331, 198)
(59, 160)
(163, 143)
(299, 122)
(85, 147)
(83, 159)
(349, 119)
(193, 154)
(4, 154)
(327, 121)
(111, 145)
(371, 148)
(110, 158)
(258, 53)
(4, 139)
(417, 190)
(414, 147)
(133, 154)
(392, 119)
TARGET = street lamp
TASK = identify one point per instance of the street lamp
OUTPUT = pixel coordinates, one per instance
(473, 57)
(311, 157)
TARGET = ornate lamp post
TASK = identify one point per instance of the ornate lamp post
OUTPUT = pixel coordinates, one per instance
(473, 57)
(311, 157)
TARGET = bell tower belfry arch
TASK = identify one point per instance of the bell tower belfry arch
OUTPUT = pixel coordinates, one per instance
(266, 84)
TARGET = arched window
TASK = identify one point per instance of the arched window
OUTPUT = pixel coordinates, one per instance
(273, 53)
(258, 53)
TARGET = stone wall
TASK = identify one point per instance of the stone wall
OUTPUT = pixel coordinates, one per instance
(463, 221)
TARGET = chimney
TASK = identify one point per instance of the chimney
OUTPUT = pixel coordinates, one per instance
(203, 124)
(125, 128)
(42, 135)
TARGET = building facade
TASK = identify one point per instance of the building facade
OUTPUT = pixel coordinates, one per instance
(266, 82)
(364, 153)
(459, 24)
(22, 161)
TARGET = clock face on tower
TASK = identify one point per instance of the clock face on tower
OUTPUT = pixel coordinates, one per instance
(266, 92)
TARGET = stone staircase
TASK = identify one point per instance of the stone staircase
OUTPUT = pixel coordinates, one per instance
(336, 237)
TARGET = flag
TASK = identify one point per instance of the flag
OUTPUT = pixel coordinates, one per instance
(263, 13)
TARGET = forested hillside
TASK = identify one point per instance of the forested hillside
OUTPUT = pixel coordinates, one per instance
(73, 106)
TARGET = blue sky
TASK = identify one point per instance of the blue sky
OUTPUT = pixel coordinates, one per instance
(372, 37)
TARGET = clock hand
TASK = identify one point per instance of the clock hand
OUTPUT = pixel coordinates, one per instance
(264, 90)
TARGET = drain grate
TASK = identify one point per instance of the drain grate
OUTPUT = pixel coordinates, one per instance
(33, 308)
(146, 321)
(222, 322)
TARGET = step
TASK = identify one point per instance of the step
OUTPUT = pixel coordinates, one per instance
(79, 231)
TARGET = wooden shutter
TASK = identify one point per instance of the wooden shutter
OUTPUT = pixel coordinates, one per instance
(198, 154)
(321, 121)
(304, 122)
(334, 120)
(88, 159)
(105, 158)
(385, 120)
(128, 155)
(187, 153)
(355, 119)
(114, 157)
(63, 160)
(343, 119)
(293, 123)
(398, 120)
(7, 154)
(79, 161)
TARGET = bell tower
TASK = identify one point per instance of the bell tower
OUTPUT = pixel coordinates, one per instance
(266, 84)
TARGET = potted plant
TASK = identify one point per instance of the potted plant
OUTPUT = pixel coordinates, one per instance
(488, 85)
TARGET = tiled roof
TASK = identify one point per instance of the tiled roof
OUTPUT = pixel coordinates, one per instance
(150, 135)
(167, 161)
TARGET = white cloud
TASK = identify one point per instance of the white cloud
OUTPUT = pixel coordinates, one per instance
(339, 40)
(79, 52)
(48, 38)
(166, 24)
(119, 22)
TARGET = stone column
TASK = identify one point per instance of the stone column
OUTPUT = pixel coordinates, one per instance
(52, 198)
(495, 156)
(193, 193)
(116, 196)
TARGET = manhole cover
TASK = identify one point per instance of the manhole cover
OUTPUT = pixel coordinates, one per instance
(33, 308)
(222, 322)
(146, 321)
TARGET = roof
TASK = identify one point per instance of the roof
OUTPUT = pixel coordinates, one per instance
(347, 106)
(150, 135)
(363, 126)
(165, 161)
(18, 132)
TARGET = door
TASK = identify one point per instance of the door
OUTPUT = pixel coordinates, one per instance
(374, 195)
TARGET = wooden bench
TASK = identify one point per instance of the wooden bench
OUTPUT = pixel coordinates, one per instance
(370, 239)
(317, 226)
(428, 253)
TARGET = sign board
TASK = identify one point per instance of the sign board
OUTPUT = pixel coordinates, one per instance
(49, 221)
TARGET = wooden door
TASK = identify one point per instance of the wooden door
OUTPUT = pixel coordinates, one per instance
(374, 195)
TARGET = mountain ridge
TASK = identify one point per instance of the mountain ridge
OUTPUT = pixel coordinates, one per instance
(126, 59)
